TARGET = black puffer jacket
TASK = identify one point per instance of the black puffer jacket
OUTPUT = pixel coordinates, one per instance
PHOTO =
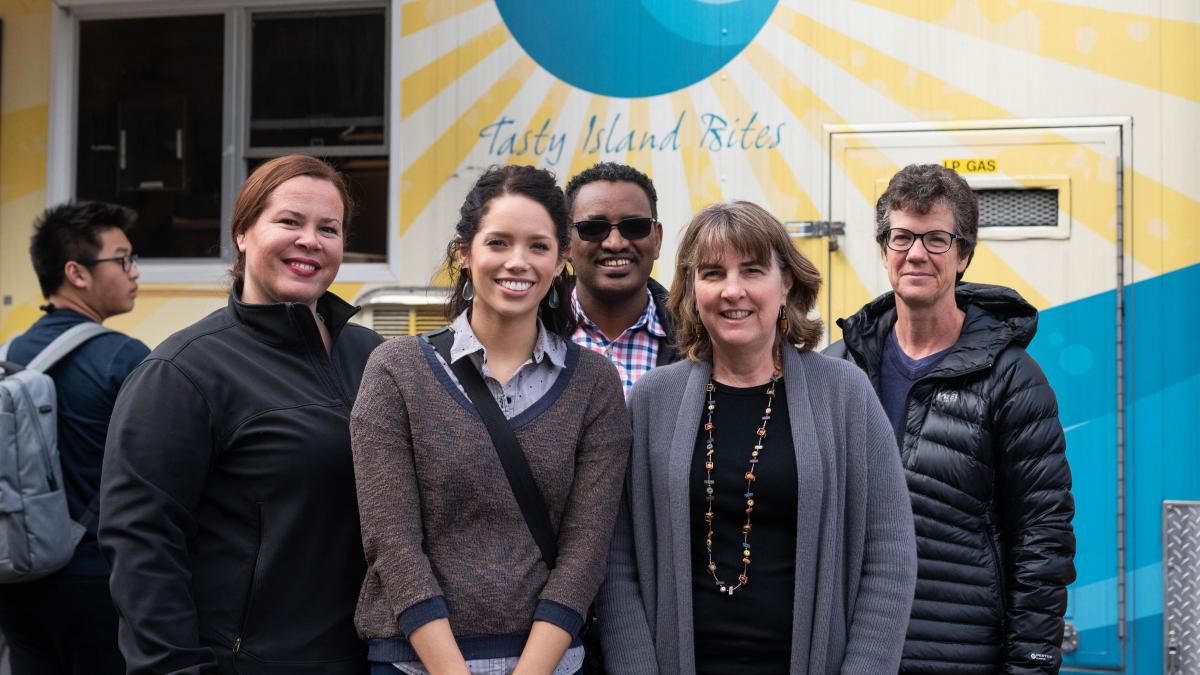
(985, 459)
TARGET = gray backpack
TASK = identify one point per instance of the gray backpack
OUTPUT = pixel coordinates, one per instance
(37, 535)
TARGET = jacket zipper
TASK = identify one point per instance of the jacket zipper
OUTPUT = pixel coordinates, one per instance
(323, 363)
(995, 554)
(237, 643)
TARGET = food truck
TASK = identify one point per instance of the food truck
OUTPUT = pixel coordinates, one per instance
(1077, 122)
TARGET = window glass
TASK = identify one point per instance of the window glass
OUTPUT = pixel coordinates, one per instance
(318, 78)
(149, 128)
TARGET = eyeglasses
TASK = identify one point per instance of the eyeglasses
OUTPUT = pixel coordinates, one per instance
(128, 262)
(934, 241)
(630, 228)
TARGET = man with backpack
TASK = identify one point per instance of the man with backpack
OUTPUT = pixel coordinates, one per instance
(63, 621)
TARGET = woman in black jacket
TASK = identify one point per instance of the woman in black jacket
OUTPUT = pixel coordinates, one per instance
(228, 510)
(977, 425)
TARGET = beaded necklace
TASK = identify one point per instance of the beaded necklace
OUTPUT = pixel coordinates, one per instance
(710, 486)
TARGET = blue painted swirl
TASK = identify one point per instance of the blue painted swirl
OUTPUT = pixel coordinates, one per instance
(634, 48)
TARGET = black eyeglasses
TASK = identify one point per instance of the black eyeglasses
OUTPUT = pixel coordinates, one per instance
(127, 261)
(630, 228)
(934, 241)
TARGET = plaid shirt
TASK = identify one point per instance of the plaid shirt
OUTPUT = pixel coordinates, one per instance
(634, 352)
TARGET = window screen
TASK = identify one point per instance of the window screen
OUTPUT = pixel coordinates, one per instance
(1018, 207)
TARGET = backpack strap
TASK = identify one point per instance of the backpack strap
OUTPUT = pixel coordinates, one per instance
(64, 344)
(516, 466)
(90, 514)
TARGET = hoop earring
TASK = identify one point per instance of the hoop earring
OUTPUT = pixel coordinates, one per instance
(552, 301)
(783, 320)
(468, 291)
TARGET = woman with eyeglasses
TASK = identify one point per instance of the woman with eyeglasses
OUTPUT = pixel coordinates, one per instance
(489, 456)
(765, 526)
(228, 511)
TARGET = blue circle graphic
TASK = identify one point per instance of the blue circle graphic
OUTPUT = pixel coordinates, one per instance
(634, 48)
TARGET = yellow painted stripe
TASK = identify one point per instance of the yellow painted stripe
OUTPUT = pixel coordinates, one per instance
(639, 118)
(1148, 51)
(582, 159)
(23, 153)
(928, 96)
(551, 106)
(804, 103)
(786, 197)
(19, 318)
(934, 99)
(347, 291)
(422, 179)
(698, 172)
(423, 84)
(421, 14)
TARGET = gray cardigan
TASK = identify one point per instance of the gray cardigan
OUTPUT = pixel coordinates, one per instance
(856, 558)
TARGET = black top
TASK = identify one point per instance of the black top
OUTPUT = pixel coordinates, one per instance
(228, 509)
(86, 383)
(750, 632)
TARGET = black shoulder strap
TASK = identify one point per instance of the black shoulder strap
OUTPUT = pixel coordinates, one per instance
(516, 467)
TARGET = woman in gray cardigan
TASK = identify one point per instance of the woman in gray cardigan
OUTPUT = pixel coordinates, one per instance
(766, 525)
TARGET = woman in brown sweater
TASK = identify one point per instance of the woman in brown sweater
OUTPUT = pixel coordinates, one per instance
(455, 579)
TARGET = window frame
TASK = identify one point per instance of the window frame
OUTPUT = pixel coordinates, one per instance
(62, 132)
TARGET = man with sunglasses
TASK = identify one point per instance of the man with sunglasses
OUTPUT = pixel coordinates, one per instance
(615, 241)
(65, 623)
(978, 430)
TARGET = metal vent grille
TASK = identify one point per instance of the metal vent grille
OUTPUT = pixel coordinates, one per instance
(397, 321)
(1181, 586)
(1018, 207)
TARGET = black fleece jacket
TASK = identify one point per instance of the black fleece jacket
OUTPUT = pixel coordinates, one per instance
(984, 456)
(228, 510)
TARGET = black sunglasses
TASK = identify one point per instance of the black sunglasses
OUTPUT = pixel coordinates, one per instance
(631, 229)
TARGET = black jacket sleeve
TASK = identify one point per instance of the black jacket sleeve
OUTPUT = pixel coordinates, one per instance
(1036, 506)
(160, 444)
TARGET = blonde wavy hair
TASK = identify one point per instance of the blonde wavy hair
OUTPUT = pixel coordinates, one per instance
(752, 232)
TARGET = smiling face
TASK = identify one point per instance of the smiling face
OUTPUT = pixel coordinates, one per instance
(738, 300)
(512, 260)
(294, 249)
(616, 268)
(921, 278)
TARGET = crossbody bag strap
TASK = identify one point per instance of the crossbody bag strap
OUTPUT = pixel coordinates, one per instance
(516, 467)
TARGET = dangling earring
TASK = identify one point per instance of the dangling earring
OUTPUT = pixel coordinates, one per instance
(552, 301)
(699, 330)
(783, 320)
(468, 291)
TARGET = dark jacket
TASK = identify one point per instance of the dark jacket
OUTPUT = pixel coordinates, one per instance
(228, 511)
(666, 348)
(984, 456)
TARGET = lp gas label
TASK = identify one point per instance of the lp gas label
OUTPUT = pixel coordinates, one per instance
(972, 165)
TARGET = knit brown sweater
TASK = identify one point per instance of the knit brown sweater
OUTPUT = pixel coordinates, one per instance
(442, 531)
